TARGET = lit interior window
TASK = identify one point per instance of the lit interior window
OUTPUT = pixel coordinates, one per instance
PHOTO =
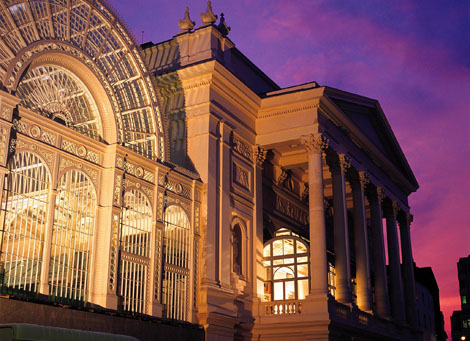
(287, 267)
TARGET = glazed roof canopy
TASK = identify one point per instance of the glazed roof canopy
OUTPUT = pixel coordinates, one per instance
(91, 35)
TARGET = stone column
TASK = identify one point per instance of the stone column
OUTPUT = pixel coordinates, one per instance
(314, 144)
(404, 220)
(364, 297)
(338, 164)
(396, 286)
(257, 239)
(382, 300)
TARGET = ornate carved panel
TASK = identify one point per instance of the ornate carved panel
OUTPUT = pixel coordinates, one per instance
(242, 148)
(241, 176)
(293, 211)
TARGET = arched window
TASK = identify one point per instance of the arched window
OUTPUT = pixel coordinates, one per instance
(24, 214)
(72, 237)
(176, 249)
(136, 229)
(237, 249)
(57, 93)
(287, 267)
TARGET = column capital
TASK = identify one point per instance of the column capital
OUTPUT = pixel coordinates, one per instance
(356, 178)
(390, 208)
(375, 193)
(404, 219)
(337, 162)
(315, 143)
(259, 155)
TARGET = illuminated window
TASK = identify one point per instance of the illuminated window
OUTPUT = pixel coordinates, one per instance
(136, 229)
(24, 218)
(332, 279)
(176, 248)
(72, 237)
(464, 299)
(287, 267)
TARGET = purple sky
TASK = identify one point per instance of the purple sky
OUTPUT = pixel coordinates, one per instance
(413, 56)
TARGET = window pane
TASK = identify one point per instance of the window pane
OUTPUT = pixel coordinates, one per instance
(25, 202)
(303, 289)
(302, 270)
(290, 290)
(72, 236)
(283, 273)
(301, 248)
(288, 246)
(267, 250)
(277, 248)
(278, 291)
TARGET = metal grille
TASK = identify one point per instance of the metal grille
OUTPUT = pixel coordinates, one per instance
(57, 93)
(24, 214)
(176, 248)
(72, 237)
(136, 229)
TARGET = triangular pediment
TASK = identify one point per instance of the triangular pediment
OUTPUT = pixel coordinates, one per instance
(369, 118)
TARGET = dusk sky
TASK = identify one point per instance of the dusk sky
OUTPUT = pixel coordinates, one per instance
(413, 56)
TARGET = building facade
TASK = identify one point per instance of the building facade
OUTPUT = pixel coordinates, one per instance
(177, 182)
(460, 319)
(430, 317)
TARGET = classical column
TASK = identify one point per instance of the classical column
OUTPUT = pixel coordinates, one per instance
(314, 144)
(404, 220)
(258, 268)
(338, 164)
(382, 300)
(363, 292)
(396, 286)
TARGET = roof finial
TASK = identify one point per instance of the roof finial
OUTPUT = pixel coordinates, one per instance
(186, 24)
(222, 26)
(209, 17)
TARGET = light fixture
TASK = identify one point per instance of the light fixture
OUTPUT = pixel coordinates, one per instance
(463, 338)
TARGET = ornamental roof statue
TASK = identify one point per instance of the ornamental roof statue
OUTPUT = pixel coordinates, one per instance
(208, 17)
(186, 24)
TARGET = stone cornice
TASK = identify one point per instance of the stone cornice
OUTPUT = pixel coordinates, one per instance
(289, 110)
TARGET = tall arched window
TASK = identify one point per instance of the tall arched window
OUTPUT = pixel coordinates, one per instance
(72, 237)
(237, 249)
(176, 249)
(24, 214)
(287, 267)
(136, 229)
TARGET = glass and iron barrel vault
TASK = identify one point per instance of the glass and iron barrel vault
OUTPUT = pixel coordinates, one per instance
(83, 217)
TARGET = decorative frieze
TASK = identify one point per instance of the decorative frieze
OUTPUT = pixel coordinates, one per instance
(3, 143)
(158, 262)
(160, 205)
(183, 204)
(294, 212)
(117, 189)
(242, 148)
(80, 150)
(113, 261)
(178, 188)
(45, 154)
(92, 173)
(196, 219)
